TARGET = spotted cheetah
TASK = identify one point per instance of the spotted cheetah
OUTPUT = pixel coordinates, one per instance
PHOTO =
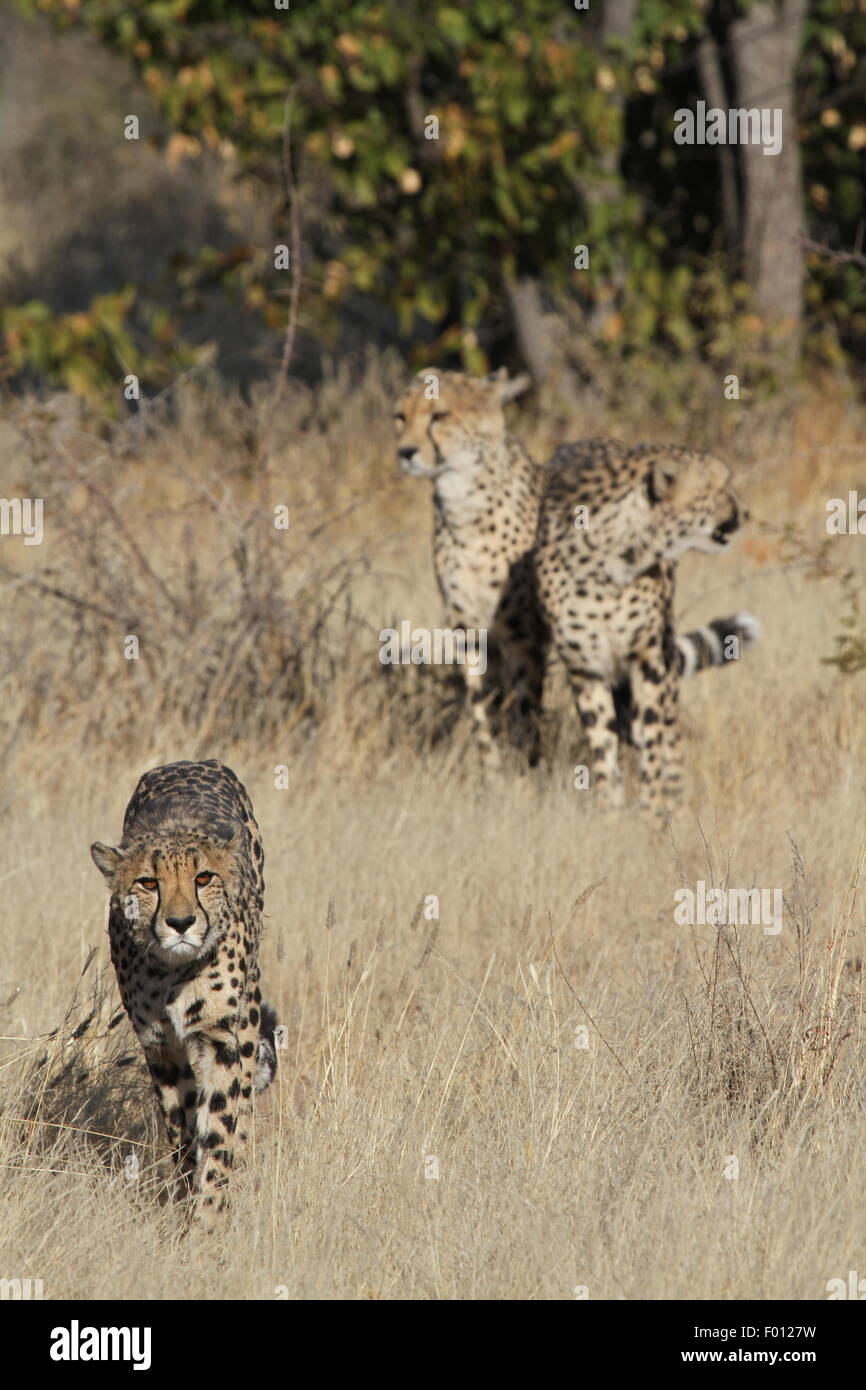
(184, 926)
(487, 495)
(613, 520)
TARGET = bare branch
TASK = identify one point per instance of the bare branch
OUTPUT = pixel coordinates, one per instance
(834, 257)
(291, 195)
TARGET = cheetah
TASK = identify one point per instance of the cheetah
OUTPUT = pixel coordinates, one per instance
(486, 495)
(184, 925)
(612, 523)
(487, 498)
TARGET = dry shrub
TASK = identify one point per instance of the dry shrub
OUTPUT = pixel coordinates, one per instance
(765, 1036)
(83, 1090)
(242, 628)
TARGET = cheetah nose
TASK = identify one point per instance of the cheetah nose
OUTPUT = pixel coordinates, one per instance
(407, 451)
(181, 923)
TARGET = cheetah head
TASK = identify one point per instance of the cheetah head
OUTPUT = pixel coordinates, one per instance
(175, 887)
(683, 501)
(447, 421)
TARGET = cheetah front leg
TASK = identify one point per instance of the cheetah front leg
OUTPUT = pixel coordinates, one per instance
(482, 693)
(672, 756)
(595, 706)
(224, 1068)
(173, 1085)
(655, 730)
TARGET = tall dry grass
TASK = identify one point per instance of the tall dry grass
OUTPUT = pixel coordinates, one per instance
(548, 1086)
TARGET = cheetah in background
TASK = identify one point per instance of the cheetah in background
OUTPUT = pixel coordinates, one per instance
(612, 523)
(184, 926)
(487, 497)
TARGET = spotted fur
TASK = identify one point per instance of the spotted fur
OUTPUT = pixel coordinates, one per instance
(612, 523)
(184, 926)
(487, 500)
(486, 494)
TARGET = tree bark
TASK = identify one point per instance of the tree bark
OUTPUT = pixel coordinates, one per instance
(617, 24)
(617, 20)
(713, 84)
(541, 334)
(766, 43)
(532, 327)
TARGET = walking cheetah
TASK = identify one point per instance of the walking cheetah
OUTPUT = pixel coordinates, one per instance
(612, 522)
(184, 926)
(487, 494)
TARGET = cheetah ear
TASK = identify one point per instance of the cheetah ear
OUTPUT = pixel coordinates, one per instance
(662, 479)
(509, 390)
(106, 859)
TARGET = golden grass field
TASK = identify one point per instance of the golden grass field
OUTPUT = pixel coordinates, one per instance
(418, 1046)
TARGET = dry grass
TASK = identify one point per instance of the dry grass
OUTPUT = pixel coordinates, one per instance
(414, 1044)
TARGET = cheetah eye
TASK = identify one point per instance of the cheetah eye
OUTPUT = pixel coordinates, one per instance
(399, 418)
(440, 414)
(202, 880)
(150, 885)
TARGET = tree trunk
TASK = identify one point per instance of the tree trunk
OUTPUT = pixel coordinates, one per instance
(532, 327)
(713, 84)
(542, 335)
(766, 43)
(617, 24)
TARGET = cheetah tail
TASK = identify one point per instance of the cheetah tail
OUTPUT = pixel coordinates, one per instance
(266, 1057)
(721, 641)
